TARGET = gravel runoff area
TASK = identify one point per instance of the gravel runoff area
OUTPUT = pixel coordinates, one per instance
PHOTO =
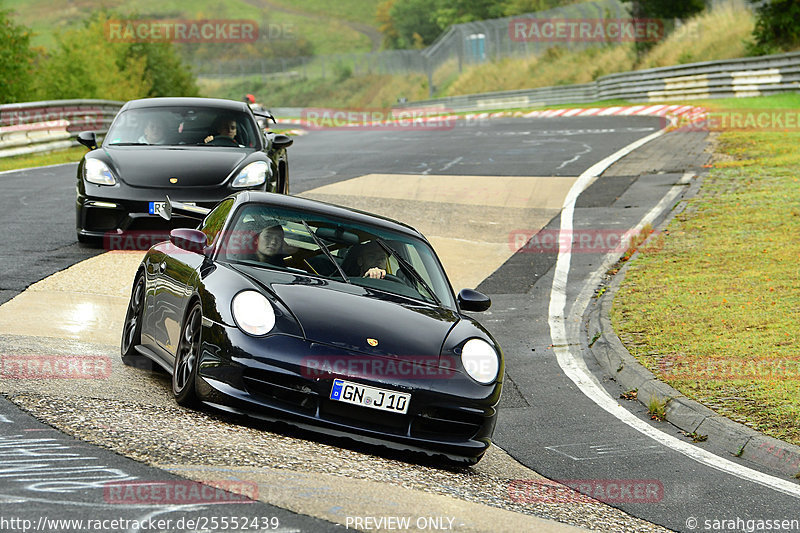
(131, 411)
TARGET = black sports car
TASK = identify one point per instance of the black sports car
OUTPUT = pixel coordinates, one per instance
(334, 320)
(197, 150)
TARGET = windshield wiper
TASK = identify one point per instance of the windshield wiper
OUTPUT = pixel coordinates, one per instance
(130, 144)
(408, 268)
(324, 248)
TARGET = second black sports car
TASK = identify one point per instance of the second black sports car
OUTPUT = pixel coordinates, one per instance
(334, 320)
(197, 150)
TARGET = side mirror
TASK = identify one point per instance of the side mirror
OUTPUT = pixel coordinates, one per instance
(471, 300)
(191, 240)
(281, 141)
(88, 139)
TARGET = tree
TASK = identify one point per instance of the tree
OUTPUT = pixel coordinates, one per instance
(777, 27)
(410, 17)
(667, 9)
(87, 63)
(15, 60)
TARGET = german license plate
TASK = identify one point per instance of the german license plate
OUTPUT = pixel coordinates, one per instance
(385, 400)
(157, 207)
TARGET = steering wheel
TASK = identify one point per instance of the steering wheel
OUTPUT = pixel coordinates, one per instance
(223, 141)
(396, 279)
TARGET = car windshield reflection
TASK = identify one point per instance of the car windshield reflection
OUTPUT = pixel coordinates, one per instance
(177, 126)
(321, 246)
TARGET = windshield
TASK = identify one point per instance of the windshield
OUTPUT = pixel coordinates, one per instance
(336, 249)
(170, 126)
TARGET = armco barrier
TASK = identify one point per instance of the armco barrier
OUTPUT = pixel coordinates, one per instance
(42, 126)
(51, 125)
(752, 76)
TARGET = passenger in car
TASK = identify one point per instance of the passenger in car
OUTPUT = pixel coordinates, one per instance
(271, 247)
(155, 131)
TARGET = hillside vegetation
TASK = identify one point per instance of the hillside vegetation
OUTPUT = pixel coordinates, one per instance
(722, 33)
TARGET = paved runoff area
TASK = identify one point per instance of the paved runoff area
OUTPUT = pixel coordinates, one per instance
(78, 313)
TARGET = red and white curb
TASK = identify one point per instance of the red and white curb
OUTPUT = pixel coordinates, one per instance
(686, 114)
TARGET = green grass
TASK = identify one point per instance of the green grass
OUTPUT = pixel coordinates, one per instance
(327, 31)
(714, 310)
(71, 155)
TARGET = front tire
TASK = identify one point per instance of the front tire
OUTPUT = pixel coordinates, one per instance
(184, 373)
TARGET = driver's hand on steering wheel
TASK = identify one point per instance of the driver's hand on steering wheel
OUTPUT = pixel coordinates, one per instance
(208, 139)
(375, 273)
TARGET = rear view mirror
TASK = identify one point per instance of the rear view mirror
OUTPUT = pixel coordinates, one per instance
(191, 240)
(88, 139)
(281, 141)
(471, 300)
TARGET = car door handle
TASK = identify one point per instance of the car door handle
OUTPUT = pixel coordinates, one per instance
(162, 267)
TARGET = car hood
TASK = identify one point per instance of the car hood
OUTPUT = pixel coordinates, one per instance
(153, 166)
(346, 316)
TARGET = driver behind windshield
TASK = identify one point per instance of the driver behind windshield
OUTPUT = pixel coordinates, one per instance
(271, 246)
(371, 260)
(224, 128)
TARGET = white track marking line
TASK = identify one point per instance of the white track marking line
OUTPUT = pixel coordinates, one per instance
(575, 368)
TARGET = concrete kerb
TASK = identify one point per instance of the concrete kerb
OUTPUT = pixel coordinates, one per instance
(684, 413)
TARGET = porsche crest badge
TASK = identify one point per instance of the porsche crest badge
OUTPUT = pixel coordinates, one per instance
(173, 180)
(372, 342)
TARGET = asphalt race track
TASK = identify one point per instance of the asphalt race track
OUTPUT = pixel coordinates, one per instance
(479, 191)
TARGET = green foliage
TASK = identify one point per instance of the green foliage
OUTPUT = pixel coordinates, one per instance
(87, 64)
(15, 58)
(417, 23)
(666, 9)
(777, 27)
(413, 17)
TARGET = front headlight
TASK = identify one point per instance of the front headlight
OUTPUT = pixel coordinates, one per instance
(253, 313)
(480, 360)
(252, 175)
(97, 172)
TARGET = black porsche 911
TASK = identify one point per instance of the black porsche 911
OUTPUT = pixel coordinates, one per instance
(334, 320)
(197, 150)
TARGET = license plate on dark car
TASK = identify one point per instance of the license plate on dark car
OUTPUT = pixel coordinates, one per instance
(373, 397)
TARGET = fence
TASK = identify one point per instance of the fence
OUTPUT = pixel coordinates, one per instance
(460, 45)
(44, 126)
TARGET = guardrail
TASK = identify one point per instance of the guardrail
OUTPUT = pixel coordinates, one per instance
(32, 127)
(752, 76)
(44, 126)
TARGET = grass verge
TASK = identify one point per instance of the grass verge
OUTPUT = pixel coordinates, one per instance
(714, 310)
(70, 155)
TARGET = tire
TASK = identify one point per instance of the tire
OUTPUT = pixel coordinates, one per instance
(132, 327)
(184, 372)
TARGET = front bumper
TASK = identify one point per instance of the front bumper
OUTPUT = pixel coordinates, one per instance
(276, 379)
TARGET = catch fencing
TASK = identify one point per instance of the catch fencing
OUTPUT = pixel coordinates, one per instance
(733, 78)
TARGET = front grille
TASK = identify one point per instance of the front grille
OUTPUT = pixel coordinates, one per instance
(286, 391)
(98, 219)
(435, 422)
(364, 417)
